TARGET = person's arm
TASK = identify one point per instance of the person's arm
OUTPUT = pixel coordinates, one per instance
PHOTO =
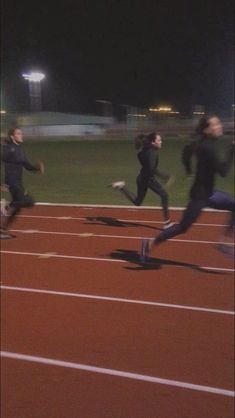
(162, 175)
(30, 167)
(151, 162)
(9, 155)
(33, 167)
(186, 157)
(222, 167)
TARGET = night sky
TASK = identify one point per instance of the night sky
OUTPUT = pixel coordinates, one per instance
(133, 52)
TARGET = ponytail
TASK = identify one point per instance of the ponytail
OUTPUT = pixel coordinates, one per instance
(151, 138)
(202, 125)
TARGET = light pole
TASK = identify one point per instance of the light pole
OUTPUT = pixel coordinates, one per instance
(34, 79)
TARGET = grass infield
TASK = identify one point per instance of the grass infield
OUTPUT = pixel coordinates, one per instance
(80, 171)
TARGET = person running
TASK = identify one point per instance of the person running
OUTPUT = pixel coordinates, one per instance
(202, 192)
(148, 147)
(15, 160)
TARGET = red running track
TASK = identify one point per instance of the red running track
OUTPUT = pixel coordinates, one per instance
(78, 310)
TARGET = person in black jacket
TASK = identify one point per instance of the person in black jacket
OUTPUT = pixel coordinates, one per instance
(15, 160)
(148, 157)
(188, 151)
(202, 192)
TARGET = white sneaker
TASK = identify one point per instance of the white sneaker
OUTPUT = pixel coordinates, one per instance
(118, 184)
(3, 207)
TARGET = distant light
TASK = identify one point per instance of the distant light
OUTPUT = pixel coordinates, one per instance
(164, 109)
(199, 113)
(137, 115)
(160, 109)
(34, 77)
(3, 112)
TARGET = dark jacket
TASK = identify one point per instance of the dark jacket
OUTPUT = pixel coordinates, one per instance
(186, 157)
(15, 160)
(149, 159)
(208, 165)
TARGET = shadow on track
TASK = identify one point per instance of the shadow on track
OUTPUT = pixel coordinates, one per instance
(109, 221)
(132, 256)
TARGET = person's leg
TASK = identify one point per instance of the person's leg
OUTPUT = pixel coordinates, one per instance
(158, 189)
(190, 215)
(128, 194)
(223, 201)
(142, 186)
(19, 200)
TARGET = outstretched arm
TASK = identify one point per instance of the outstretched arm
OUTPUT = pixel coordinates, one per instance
(33, 167)
(186, 157)
(222, 167)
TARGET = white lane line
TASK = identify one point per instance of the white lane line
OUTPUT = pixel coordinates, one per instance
(116, 373)
(140, 208)
(111, 260)
(114, 299)
(120, 220)
(87, 235)
(63, 256)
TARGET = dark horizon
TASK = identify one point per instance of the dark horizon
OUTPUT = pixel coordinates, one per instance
(175, 53)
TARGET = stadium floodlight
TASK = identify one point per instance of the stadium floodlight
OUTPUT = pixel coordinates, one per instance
(34, 77)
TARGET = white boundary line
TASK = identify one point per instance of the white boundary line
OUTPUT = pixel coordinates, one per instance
(120, 220)
(111, 260)
(77, 234)
(114, 299)
(89, 205)
(117, 373)
(53, 255)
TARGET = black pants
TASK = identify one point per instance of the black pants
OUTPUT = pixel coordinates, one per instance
(219, 200)
(143, 184)
(20, 200)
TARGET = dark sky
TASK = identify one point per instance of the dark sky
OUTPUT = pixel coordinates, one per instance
(137, 52)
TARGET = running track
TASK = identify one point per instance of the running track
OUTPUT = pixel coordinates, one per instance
(87, 332)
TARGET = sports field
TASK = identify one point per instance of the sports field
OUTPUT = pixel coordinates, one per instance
(87, 329)
(90, 332)
(80, 171)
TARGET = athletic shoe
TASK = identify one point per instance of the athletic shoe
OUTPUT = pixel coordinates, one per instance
(144, 252)
(3, 207)
(226, 249)
(118, 185)
(6, 235)
(167, 224)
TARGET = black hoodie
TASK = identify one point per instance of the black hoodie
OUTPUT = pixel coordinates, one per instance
(15, 160)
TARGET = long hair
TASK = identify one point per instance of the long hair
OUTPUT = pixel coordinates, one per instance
(151, 138)
(202, 125)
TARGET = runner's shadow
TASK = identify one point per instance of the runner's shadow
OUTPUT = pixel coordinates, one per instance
(102, 220)
(132, 256)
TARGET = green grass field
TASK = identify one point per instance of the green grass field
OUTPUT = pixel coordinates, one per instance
(80, 171)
